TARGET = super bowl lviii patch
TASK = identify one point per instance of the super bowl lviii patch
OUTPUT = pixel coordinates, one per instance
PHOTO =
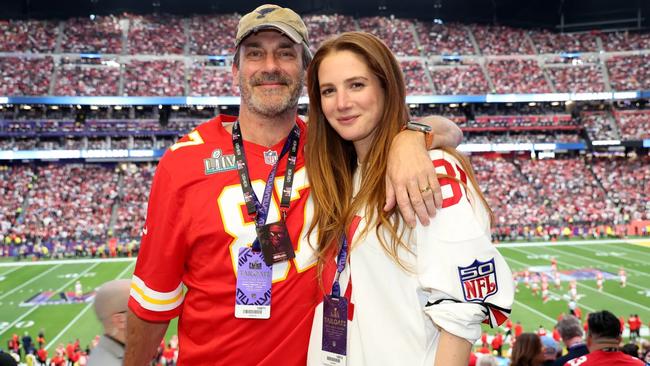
(479, 280)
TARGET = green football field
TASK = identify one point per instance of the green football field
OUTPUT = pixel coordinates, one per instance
(30, 292)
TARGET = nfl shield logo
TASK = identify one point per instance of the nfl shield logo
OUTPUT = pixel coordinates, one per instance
(479, 280)
(270, 157)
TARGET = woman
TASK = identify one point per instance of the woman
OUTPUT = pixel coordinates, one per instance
(527, 350)
(405, 293)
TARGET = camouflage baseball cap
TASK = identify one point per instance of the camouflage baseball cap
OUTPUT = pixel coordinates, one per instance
(273, 16)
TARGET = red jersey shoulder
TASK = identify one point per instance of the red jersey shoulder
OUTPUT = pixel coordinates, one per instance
(205, 150)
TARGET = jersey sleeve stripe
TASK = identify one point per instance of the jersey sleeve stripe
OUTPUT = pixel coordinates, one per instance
(154, 300)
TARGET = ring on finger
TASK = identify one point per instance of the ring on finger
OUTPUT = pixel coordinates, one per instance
(427, 189)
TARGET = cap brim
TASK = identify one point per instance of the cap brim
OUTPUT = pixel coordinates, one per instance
(281, 27)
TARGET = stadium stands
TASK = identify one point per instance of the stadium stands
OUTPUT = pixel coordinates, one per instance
(213, 35)
(629, 72)
(30, 36)
(324, 26)
(517, 76)
(25, 76)
(634, 124)
(459, 80)
(156, 34)
(154, 78)
(103, 34)
(577, 79)
(447, 39)
(399, 34)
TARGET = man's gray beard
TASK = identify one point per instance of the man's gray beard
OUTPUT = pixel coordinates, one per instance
(270, 110)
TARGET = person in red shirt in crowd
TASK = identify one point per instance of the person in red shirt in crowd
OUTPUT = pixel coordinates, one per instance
(41, 338)
(472, 359)
(14, 344)
(484, 341)
(168, 355)
(541, 331)
(634, 323)
(69, 351)
(508, 328)
(41, 355)
(497, 343)
(603, 340)
(622, 321)
(578, 312)
(556, 334)
(484, 350)
(57, 360)
(518, 329)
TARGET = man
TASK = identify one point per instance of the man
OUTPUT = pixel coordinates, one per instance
(110, 307)
(571, 332)
(201, 222)
(603, 340)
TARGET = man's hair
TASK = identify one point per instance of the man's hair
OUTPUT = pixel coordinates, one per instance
(569, 327)
(604, 324)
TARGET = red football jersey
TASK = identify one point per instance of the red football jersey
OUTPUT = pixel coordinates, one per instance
(196, 223)
(602, 358)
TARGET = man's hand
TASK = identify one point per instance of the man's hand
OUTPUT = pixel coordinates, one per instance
(411, 180)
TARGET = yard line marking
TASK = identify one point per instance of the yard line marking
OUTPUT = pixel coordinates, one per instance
(9, 271)
(83, 311)
(595, 250)
(599, 261)
(639, 242)
(68, 261)
(37, 306)
(30, 281)
(629, 283)
(595, 290)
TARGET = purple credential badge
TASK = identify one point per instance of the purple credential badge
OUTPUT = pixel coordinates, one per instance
(335, 330)
(253, 295)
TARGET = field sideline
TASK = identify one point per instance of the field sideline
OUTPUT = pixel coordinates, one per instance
(30, 292)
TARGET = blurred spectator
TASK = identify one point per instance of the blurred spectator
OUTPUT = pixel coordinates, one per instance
(517, 76)
(527, 351)
(154, 78)
(486, 360)
(627, 182)
(25, 76)
(417, 83)
(500, 40)
(599, 126)
(635, 125)
(110, 307)
(101, 34)
(87, 81)
(396, 32)
(577, 79)
(156, 34)
(460, 80)
(324, 26)
(32, 36)
(629, 72)
(550, 42)
(213, 34)
(211, 81)
(625, 41)
(572, 336)
(551, 350)
(447, 39)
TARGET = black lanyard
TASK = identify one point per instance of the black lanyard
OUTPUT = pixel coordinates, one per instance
(255, 208)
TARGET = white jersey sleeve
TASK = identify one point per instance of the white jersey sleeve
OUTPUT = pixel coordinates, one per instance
(466, 279)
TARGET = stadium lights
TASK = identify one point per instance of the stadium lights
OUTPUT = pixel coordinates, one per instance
(555, 104)
(200, 107)
(54, 107)
(222, 107)
(117, 107)
(26, 107)
(94, 107)
(453, 105)
(139, 107)
(532, 104)
(413, 106)
(175, 107)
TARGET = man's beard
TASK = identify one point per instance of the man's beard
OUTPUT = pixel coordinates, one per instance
(264, 102)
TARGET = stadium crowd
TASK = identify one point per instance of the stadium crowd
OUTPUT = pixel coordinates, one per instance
(153, 38)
